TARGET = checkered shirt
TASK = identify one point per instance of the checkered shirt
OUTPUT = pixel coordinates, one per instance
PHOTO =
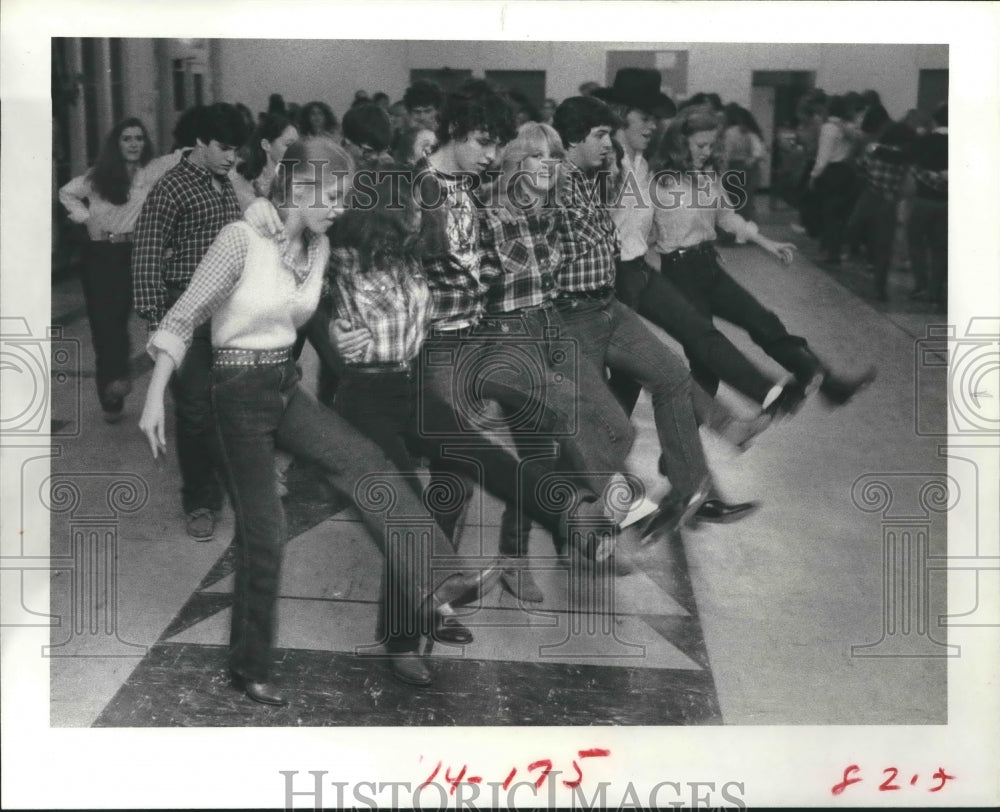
(519, 254)
(452, 269)
(181, 217)
(588, 240)
(885, 170)
(392, 304)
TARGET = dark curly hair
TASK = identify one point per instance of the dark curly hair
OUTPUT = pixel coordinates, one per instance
(476, 105)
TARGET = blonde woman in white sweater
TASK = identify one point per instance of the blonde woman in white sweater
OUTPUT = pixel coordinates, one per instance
(257, 290)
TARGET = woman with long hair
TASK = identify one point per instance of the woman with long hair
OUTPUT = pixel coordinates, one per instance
(257, 290)
(695, 204)
(108, 199)
(258, 161)
(316, 119)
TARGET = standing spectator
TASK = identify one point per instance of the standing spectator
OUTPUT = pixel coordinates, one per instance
(397, 117)
(316, 120)
(258, 162)
(183, 214)
(833, 179)
(423, 99)
(366, 135)
(927, 194)
(108, 199)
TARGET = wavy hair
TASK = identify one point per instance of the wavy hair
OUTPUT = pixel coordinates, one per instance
(253, 158)
(531, 137)
(109, 176)
(674, 153)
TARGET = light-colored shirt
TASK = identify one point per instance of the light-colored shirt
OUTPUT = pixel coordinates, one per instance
(255, 293)
(834, 145)
(687, 208)
(633, 216)
(85, 205)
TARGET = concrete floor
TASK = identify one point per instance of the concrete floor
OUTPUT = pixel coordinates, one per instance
(762, 622)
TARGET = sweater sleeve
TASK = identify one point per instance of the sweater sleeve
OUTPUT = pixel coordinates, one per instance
(73, 196)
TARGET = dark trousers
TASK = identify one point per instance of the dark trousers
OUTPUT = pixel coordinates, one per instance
(260, 408)
(927, 234)
(873, 224)
(656, 298)
(611, 335)
(107, 292)
(835, 188)
(713, 292)
(317, 332)
(197, 442)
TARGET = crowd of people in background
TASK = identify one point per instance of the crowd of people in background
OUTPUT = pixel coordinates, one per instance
(512, 221)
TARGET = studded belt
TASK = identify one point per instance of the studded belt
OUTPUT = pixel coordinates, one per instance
(227, 357)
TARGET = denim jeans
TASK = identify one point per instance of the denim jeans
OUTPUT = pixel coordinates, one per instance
(653, 296)
(260, 408)
(197, 444)
(612, 335)
(551, 476)
(107, 291)
(713, 292)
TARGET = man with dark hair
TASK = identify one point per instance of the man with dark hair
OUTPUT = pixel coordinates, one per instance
(606, 331)
(367, 134)
(183, 214)
(423, 99)
(474, 121)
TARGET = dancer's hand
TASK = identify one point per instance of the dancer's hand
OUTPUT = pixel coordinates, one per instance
(784, 252)
(350, 344)
(153, 424)
(263, 217)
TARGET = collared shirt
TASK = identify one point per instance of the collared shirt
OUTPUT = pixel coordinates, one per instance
(85, 205)
(183, 214)
(884, 169)
(451, 259)
(688, 208)
(588, 240)
(392, 304)
(633, 216)
(519, 255)
(217, 277)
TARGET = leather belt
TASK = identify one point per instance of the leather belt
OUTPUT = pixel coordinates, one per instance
(111, 236)
(707, 247)
(227, 357)
(600, 293)
(379, 368)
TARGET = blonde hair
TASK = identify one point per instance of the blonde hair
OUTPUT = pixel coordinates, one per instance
(531, 136)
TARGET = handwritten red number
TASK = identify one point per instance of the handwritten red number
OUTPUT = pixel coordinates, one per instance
(506, 783)
(579, 777)
(837, 789)
(547, 764)
(887, 784)
(454, 781)
(594, 752)
(431, 777)
(943, 777)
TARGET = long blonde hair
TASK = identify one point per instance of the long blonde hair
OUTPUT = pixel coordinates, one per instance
(531, 136)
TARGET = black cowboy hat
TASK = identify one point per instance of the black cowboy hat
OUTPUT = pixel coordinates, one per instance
(638, 89)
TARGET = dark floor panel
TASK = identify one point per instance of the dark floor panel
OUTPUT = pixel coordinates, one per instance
(186, 685)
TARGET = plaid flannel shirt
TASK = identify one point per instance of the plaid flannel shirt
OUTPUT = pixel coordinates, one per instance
(181, 217)
(885, 170)
(452, 268)
(392, 304)
(588, 240)
(214, 280)
(519, 255)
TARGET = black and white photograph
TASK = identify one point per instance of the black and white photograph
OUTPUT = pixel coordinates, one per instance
(500, 405)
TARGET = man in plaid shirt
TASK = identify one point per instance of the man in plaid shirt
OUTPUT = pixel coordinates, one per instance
(606, 331)
(182, 216)
(883, 168)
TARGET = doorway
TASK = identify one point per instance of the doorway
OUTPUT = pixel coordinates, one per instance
(774, 96)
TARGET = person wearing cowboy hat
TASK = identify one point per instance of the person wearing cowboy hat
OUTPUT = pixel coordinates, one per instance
(636, 98)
